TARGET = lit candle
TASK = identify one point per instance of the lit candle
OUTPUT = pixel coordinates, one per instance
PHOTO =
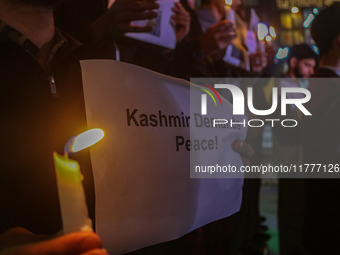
(72, 199)
(229, 12)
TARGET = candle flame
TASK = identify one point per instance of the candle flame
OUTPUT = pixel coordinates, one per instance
(84, 140)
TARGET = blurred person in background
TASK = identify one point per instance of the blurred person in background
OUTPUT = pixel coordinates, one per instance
(243, 233)
(214, 13)
(236, 56)
(321, 138)
(194, 57)
(302, 61)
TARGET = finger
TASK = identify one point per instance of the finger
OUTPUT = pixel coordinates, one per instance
(225, 34)
(243, 148)
(180, 10)
(131, 16)
(181, 14)
(222, 45)
(134, 5)
(181, 24)
(175, 9)
(225, 38)
(180, 19)
(224, 26)
(226, 30)
(226, 23)
(246, 161)
(144, 6)
(123, 28)
(18, 236)
(75, 243)
(138, 29)
(96, 252)
(179, 6)
(133, 1)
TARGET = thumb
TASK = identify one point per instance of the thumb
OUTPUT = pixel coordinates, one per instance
(71, 244)
(243, 148)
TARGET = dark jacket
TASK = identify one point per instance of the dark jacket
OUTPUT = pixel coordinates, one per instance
(34, 124)
(321, 136)
(75, 17)
(321, 145)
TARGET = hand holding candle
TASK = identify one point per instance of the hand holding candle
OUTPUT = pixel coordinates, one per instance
(72, 199)
(21, 241)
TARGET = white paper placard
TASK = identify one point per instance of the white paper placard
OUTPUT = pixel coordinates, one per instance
(144, 194)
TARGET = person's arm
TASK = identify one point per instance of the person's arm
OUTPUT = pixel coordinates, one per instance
(181, 18)
(217, 37)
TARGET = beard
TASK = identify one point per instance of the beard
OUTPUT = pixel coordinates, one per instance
(49, 4)
(297, 72)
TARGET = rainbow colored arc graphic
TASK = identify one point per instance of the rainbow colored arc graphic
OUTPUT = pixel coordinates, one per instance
(209, 93)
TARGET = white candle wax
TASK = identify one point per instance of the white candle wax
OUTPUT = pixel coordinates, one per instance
(72, 199)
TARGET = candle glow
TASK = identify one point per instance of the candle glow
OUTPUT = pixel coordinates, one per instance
(84, 140)
(272, 32)
(295, 10)
(262, 31)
